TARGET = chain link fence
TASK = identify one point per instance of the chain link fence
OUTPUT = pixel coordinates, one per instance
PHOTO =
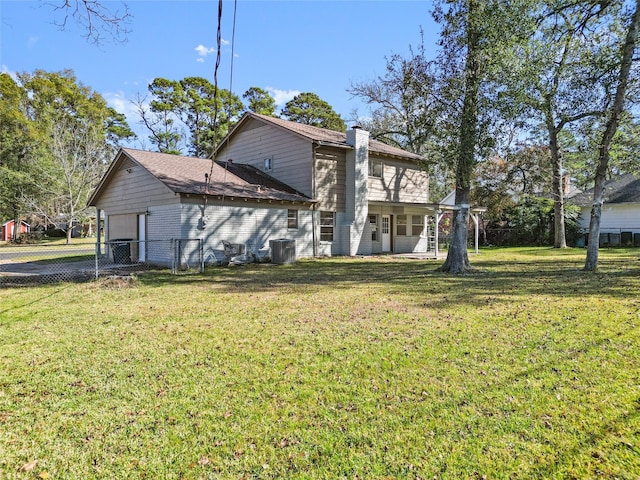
(179, 255)
(38, 263)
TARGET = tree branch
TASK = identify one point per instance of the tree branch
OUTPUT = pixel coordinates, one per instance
(97, 20)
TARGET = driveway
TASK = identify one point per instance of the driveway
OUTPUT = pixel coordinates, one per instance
(43, 264)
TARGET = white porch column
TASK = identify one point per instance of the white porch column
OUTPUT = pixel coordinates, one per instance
(476, 229)
(439, 216)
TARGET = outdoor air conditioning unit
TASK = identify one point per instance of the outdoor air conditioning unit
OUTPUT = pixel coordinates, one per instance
(283, 251)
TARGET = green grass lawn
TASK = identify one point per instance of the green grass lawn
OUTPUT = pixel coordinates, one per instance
(335, 368)
(49, 242)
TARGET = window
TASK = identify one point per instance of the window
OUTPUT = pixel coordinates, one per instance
(373, 222)
(385, 225)
(268, 164)
(327, 221)
(375, 168)
(401, 225)
(417, 225)
(292, 218)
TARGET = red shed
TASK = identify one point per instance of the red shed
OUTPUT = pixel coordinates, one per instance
(9, 227)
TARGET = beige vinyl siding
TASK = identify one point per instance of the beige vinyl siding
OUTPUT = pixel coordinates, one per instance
(330, 179)
(163, 224)
(133, 192)
(401, 182)
(122, 226)
(291, 155)
(246, 222)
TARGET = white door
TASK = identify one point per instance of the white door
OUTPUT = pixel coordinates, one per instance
(386, 233)
(142, 237)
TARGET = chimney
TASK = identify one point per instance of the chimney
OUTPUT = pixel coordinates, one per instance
(566, 185)
(357, 190)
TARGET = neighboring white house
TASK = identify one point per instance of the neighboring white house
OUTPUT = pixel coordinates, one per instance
(620, 220)
(333, 193)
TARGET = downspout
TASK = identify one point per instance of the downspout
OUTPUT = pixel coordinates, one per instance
(314, 149)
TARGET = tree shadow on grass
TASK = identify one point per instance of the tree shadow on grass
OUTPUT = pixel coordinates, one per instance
(34, 301)
(418, 279)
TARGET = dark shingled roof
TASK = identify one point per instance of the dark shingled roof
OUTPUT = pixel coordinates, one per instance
(186, 175)
(622, 189)
(331, 137)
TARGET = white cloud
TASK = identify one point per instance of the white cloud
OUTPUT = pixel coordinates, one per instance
(121, 104)
(11, 73)
(203, 52)
(282, 96)
(31, 41)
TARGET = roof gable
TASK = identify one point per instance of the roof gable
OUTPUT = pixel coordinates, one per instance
(622, 189)
(9, 222)
(317, 135)
(201, 176)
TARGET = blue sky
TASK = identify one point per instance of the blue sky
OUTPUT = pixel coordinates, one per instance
(286, 47)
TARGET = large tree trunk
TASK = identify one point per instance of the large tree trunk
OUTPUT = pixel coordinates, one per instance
(559, 236)
(591, 262)
(17, 225)
(457, 257)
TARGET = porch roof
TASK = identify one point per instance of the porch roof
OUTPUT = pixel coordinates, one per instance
(434, 207)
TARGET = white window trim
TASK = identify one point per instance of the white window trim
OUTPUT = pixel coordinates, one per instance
(333, 234)
(372, 169)
(405, 224)
(417, 224)
(297, 219)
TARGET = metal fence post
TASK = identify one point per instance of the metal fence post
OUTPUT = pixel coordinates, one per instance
(97, 254)
(201, 246)
(173, 256)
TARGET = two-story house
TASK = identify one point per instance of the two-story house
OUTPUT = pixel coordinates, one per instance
(331, 192)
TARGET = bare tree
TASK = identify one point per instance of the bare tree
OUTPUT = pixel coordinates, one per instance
(99, 20)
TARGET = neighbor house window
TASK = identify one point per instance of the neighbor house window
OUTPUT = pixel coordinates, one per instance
(292, 218)
(373, 222)
(401, 225)
(327, 222)
(375, 168)
(417, 225)
(268, 164)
